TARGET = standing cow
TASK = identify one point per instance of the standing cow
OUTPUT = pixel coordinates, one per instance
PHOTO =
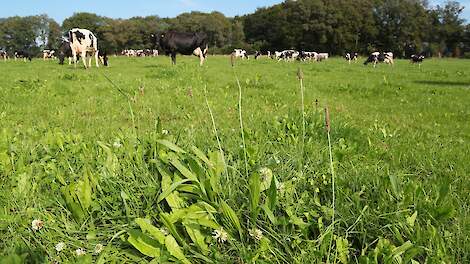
(172, 42)
(4, 55)
(23, 54)
(83, 41)
(65, 51)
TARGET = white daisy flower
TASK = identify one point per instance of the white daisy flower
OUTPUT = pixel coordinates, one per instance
(164, 231)
(220, 235)
(256, 233)
(80, 252)
(266, 173)
(37, 224)
(165, 132)
(60, 246)
(98, 248)
(117, 144)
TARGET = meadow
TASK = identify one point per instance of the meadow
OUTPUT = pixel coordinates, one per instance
(147, 162)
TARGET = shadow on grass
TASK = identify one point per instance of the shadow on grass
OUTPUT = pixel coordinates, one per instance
(444, 83)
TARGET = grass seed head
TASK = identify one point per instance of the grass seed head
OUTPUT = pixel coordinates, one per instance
(300, 74)
(327, 120)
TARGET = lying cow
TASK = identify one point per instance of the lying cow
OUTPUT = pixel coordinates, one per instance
(172, 42)
(351, 56)
(83, 42)
(23, 54)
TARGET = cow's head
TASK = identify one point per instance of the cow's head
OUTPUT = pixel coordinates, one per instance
(156, 39)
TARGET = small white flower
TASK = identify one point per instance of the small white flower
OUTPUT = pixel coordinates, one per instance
(60, 246)
(98, 248)
(37, 224)
(165, 132)
(266, 173)
(80, 252)
(256, 233)
(117, 144)
(164, 231)
(220, 235)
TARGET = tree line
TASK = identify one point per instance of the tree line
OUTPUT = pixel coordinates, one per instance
(334, 26)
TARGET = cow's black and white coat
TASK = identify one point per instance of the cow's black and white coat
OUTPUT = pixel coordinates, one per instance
(23, 54)
(377, 57)
(83, 42)
(351, 56)
(65, 51)
(185, 43)
(417, 58)
(3, 55)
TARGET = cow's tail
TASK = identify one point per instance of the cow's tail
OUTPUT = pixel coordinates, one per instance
(70, 36)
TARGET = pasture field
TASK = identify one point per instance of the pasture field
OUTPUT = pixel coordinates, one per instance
(127, 157)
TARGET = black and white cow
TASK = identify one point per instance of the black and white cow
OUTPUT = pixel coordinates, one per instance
(351, 56)
(240, 53)
(258, 54)
(23, 54)
(83, 42)
(417, 58)
(65, 51)
(185, 43)
(4, 55)
(308, 56)
(377, 57)
(48, 54)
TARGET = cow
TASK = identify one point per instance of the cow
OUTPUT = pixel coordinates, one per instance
(65, 51)
(186, 43)
(48, 54)
(257, 54)
(4, 55)
(417, 59)
(351, 56)
(377, 57)
(322, 56)
(240, 53)
(83, 42)
(23, 54)
(308, 55)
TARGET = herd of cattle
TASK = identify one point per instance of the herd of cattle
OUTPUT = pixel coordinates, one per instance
(81, 43)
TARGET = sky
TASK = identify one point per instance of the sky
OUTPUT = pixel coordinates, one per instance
(61, 9)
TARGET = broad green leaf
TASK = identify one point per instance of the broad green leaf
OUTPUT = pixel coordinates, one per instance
(83, 192)
(272, 195)
(395, 185)
(170, 145)
(175, 250)
(231, 217)
(170, 189)
(201, 156)
(152, 230)
(411, 219)
(174, 160)
(397, 252)
(255, 194)
(342, 247)
(144, 243)
(269, 214)
(196, 236)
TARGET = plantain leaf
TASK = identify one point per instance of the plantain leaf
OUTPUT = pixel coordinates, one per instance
(196, 236)
(144, 243)
(255, 194)
(174, 160)
(170, 145)
(231, 218)
(170, 189)
(152, 230)
(175, 250)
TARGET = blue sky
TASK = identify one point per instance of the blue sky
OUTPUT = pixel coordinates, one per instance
(60, 9)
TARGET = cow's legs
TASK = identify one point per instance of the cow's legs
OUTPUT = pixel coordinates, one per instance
(198, 52)
(173, 58)
(74, 57)
(96, 59)
(83, 53)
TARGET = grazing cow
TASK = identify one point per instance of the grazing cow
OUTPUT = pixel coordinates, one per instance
(240, 53)
(4, 55)
(288, 55)
(257, 54)
(23, 54)
(417, 59)
(48, 54)
(64, 51)
(83, 42)
(185, 43)
(351, 56)
(377, 57)
(308, 55)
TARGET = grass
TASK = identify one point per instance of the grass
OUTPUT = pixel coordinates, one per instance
(94, 161)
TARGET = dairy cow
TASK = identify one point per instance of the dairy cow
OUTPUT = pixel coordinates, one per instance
(185, 43)
(83, 42)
